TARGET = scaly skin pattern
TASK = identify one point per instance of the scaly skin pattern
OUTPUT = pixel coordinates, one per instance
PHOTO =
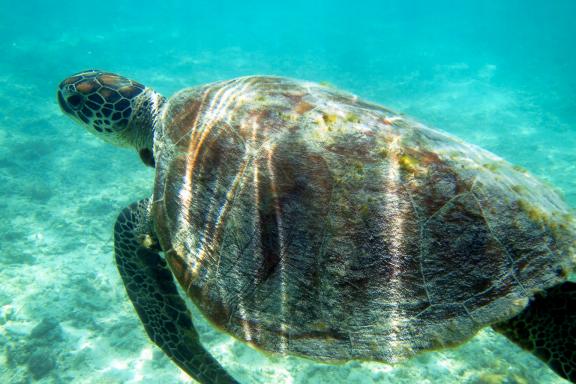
(101, 100)
(547, 328)
(150, 286)
(306, 221)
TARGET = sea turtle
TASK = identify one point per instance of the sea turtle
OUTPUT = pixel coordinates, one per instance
(303, 220)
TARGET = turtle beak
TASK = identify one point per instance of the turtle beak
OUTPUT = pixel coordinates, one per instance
(70, 99)
(63, 104)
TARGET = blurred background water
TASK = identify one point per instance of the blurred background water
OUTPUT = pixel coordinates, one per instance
(500, 74)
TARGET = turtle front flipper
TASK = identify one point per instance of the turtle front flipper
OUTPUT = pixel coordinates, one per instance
(151, 288)
(547, 328)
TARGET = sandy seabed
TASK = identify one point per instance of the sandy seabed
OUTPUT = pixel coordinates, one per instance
(64, 314)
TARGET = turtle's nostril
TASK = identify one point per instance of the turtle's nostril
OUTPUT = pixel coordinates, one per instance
(75, 101)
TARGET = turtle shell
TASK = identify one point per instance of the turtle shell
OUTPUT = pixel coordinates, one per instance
(304, 220)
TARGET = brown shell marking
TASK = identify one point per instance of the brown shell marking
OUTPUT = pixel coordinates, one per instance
(363, 237)
(87, 86)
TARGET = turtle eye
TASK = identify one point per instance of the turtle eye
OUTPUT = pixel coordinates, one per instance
(75, 101)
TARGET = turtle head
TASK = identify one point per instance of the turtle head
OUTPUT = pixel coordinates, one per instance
(118, 110)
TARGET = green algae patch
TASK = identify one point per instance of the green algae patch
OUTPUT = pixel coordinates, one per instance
(520, 169)
(327, 84)
(519, 189)
(352, 118)
(534, 213)
(490, 378)
(364, 211)
(358, 167)
(382, 152)
(408, 163)
(556, 222)
(494, 167)
(330, 119)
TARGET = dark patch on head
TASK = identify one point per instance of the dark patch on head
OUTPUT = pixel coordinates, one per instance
(116, 116)
(110, 95)
(83, 118)
(96, 127)
(92, 105)
(122, 105)
(126, 113)
(86, 112)
(122, 123)
(96, 98)
(63, 104)
(75, 101)
(106, 112)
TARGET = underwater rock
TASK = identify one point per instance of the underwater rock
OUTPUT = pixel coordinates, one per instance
(33, 350)
(41, 362)
(38, 191)
(7, 313)
(48, 330)
(30, 150)
(11, 235)
(98, 207)
(15, 255)
(16, 329)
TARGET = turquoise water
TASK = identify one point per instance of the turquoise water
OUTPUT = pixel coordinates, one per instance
(500, 74)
